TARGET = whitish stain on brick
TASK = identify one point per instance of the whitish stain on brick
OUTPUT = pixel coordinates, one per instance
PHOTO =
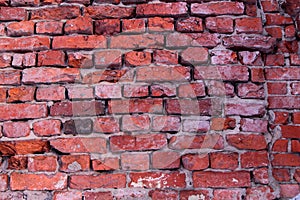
(197, 197)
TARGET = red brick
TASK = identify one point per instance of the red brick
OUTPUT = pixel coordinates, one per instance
(74, 195)
(79, 145)
(223, 57)
(295, 146)
(49, 28)
(42, 163)
(108, 91)
(108, 11)
(5, 60)
(47, 127)
(274, 32)
(133, 25)
(24, 28)
(109, 75)
(269, 5)
(277, 88)
(138, 58)
(257, 75)
(10, 77)
(11, 195)
(261, 175)
(79, 42)
(50, 75)
(108, 58)
(107, 26)
(85, 2)
(287, 46)
(80, 60)
(251, 10)
(290, 31)
(163, 194)
(211, 141)
(135, 91)
(224, 73)
(135, 123)
(106, 125)
(16, 129)
(295, 88)
(20, 181)
(254, 125)
(277, 19)
(290, 131)
(160, 24)
(74, 163)
(98, 181)
(281, 117)
(288, 102)
(55, 13)
(2, 29)
(165, 57)
(135, 161)
(137, 41)
(17, 163)
(280, 145)
(254, 159)
(158, 90)
(79, 92)
(95, 195)
(3, 182)
(195, 161)
(51, 58)
(3, 94)
(218, 8)
(81, 25)
(247, 141)
(188, 194)
(166, 123)
(296, 117)
(221, 179)
(219, 24)
(22, 111)
(22, 93)
(138, 142)
(297, 175)
(194, 55)
(295, 59)
(250, 58)
(260, 192)
(224, 160)
(189, 25)
(162, 9)
(281, 175)
(289, 190)
(191, 90)
(135, 106)
(24, 60)
(224, 194)
(4, 2)
(220, 124)
(219, 88)
(157, 180)
(248, 25)
(165, 160)
(24, 147)
(245, 109)
(191, 107)
(11, 14)
(195, 126)
(109, 163)
(275, 60)
(292, 160)
(50, 93)
(261, 43)
(251, 90)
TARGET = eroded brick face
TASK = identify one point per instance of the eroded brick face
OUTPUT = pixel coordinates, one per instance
(144, 99)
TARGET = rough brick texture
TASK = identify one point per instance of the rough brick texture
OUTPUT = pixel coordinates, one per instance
(144, 99)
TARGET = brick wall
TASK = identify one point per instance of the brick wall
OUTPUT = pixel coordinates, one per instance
(140, 99)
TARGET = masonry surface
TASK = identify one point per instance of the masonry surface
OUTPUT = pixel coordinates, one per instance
(141, 99)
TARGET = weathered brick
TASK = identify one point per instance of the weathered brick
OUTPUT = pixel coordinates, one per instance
(16, 129)
(137, 41)
(47, 127)
(105, 91)
(17, 163)
(135, 123)
(75, 195)
(79, 42)
(105, 164)
(24, 60)
(5, 60)
(289, 190)
(248, 25)
(188, 194)
(51, 58)
(261, 175)
(194, 55)
(19, 181)
(24, 147)
(163, 194)
(166, 123)
(251, 90)
(195, 161)
(55, 13)
(74, 163)
(245, 109)
(135, 106)
(42, 163)
(24, 28)
(79, 145)
(108, 58)
(218, 8)
(31, 43)
(224, 160)
(106, 125)
(165, 57)
(133, 25)
(157, 24)
(135, 161)
(162, 9)
(223, 194)
(22, 93)
(108, 11)
(165, 160)
(221, 179)
(138, 58)
(247, 141)
(107, 26)
(97, 181)
(189, 25)
(254, 159)
(49, 28)
(11, 14)
(219, 24)
(50, 93)
(81, 25)
(95, 195)
(3, 182)
(223, 57)
(224, 73)
(195, 126)
(220, 124)
(288, 102)
(277, 19)
(78, 126)
(135, 91)
(158, 90)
